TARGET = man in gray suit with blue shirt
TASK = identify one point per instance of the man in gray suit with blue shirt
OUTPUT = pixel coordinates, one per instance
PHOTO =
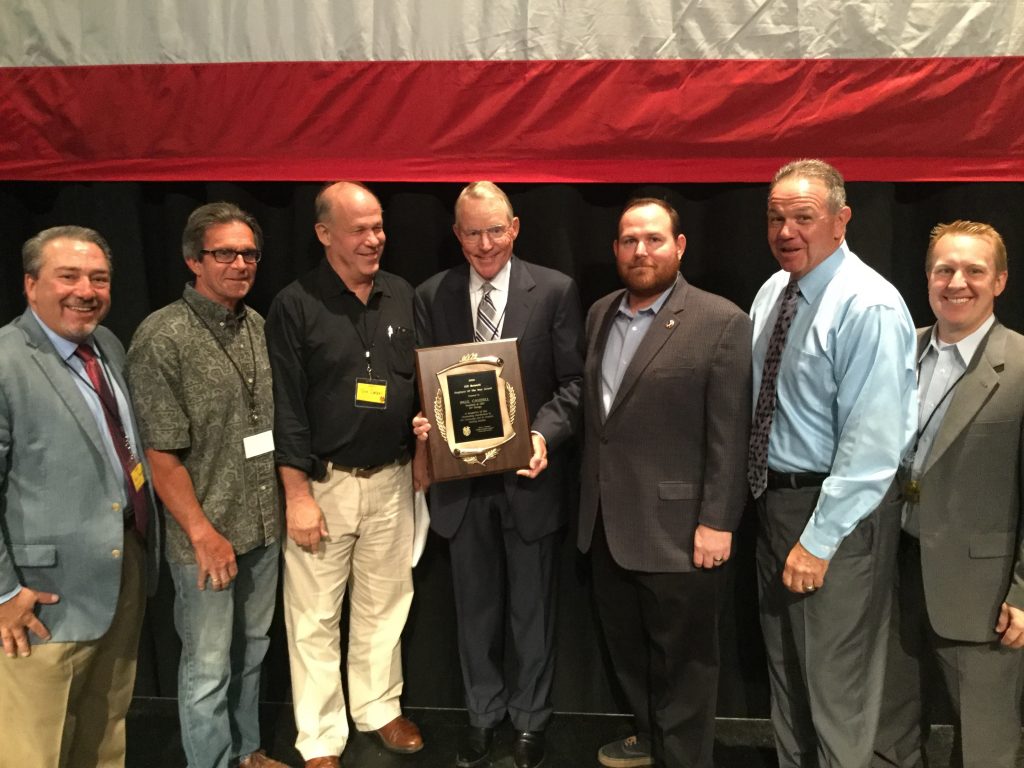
(74, 510)
(959, 598)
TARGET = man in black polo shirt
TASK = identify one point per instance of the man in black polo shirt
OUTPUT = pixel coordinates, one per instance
(341, 349)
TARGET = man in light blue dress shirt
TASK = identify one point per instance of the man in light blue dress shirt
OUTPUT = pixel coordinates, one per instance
(844, 413)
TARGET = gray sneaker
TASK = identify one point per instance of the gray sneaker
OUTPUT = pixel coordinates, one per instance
(631, 752)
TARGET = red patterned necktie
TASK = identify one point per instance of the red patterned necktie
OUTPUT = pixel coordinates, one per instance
(757, 451)
(108, 404)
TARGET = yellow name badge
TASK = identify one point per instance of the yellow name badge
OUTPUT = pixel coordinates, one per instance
(138, 476)
(371, 393)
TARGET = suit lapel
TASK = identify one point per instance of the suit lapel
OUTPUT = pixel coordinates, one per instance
(661, 329)
(521, 301)
(595, 360)
(457, 307)
(59, 376)
(978, 384)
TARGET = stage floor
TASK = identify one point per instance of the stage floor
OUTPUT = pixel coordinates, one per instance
(154, 740)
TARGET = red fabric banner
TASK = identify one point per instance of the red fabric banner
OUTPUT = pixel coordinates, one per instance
(548, 121)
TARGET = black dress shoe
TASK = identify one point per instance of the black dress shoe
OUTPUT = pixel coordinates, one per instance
(474, 746)
(528, 750)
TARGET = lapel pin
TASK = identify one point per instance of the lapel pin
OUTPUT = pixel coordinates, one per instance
(671, 323)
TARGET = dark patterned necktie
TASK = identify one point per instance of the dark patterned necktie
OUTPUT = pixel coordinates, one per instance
(486, 317)
(108, 404)
(757, 451)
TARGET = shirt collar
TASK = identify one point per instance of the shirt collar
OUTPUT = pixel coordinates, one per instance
(331, 284)
(654, 308)
(65, 347)
(211, 311)
(814, 282)
(965, 348)
(499, 281)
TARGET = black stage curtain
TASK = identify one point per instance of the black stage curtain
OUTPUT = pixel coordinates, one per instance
(566, 227)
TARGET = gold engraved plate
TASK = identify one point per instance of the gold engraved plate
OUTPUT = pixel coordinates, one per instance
(475, 408)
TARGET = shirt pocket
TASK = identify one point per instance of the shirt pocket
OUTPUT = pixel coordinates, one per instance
(401, 352)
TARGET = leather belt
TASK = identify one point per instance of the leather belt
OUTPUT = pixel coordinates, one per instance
(794, 480)
(367, 471)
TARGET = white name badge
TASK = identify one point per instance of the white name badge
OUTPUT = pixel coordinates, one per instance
(258, 444)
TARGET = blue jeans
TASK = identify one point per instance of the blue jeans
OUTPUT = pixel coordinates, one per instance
(224, 639)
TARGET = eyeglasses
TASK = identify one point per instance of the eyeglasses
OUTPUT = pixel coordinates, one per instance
(476, 235)
(228, 255)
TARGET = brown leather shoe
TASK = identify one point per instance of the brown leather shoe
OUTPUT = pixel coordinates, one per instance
(259, 759)
(400, 735)
(324, 762)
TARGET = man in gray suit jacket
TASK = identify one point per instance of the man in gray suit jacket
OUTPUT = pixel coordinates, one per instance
(961, 572)
(74, 508)
(503, 529)
(666, 392)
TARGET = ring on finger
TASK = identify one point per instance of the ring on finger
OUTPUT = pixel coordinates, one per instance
(809, 588)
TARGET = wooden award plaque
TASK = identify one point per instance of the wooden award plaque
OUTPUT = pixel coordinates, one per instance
(473, 396)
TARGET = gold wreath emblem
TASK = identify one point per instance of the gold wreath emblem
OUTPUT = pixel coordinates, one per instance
(439, 415)
(510, 396)
(486, 457)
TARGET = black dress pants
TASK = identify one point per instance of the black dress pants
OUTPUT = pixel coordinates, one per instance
(662, 634)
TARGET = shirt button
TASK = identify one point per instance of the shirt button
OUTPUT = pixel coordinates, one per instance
(115, 506)
(116, 554)
(263, 487)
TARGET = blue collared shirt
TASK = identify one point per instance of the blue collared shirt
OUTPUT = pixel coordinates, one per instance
(941, 367)
(627, 331)
(847, 404)
(66, 352)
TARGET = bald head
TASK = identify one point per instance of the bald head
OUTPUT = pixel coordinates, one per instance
(343, 193)
(350, 226)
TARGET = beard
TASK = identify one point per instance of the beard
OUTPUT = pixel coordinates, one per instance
(648, 279)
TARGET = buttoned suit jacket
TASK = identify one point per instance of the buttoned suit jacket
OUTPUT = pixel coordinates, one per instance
(972, 557)
(672, 452)
(60, 497)
(543, 313)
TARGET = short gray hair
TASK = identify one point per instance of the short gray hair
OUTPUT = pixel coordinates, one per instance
(483, 190)
(815, 169)
(210, 215)
(32, 250)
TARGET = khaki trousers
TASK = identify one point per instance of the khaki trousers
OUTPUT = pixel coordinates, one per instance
(64, 706)
(368, 551)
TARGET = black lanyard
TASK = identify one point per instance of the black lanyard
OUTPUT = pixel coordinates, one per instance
(947, 393)
(248, 385)
(366, 334)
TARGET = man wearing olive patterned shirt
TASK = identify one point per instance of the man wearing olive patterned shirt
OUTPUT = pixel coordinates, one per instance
(200, 376)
